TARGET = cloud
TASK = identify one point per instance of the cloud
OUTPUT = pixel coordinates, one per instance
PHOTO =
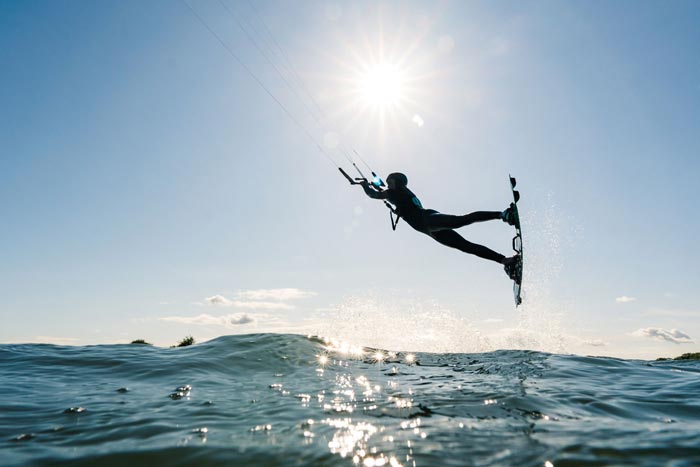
(418, 120)
(259, 299)
(594, 342)
(255, 299)
(275, 294)
(207, 320)
(625, 299)
(584, 341)
(668, 335)
(262, 305)
(218, 300)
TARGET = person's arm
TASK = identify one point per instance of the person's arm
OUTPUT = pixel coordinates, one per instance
(372, 192)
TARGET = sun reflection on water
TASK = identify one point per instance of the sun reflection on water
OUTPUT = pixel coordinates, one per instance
(373, 394)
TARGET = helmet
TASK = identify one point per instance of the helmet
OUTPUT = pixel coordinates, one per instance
(398, 178)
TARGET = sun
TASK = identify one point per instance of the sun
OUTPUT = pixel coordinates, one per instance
(383, 80)
(382, 86)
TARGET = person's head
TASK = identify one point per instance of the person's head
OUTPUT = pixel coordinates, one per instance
(396, 180)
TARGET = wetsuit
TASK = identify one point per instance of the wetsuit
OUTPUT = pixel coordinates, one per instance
(437, 225)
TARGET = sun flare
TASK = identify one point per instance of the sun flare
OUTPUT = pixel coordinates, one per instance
(382, 85)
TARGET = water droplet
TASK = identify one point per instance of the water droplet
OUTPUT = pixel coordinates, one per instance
(180, 392)
(307, 424)
(261, 428)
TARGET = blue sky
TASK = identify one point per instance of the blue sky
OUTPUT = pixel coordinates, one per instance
(144, 172)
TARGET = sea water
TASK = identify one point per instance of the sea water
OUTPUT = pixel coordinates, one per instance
(292, 400)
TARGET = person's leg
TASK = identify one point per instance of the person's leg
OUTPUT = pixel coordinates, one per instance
(454, 240)
(437, 221)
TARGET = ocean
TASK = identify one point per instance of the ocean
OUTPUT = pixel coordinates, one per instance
(293, 400)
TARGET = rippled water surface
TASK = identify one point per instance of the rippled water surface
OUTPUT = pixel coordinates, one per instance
(271, 399)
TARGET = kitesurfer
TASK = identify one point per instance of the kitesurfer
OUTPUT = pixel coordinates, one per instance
(441, 226)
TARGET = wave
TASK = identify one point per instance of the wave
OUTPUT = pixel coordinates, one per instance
(273, 399)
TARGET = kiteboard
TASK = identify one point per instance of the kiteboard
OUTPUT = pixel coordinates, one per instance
(517, 245)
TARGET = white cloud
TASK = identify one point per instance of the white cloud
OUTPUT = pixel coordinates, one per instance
(584, 341)
(418, 120)
(206, 319)
(275, 294)
(242, 318)
(594, 342)
(218, 300)
(625, 299)
(668, 335)
(262, 305)
(267, 299)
